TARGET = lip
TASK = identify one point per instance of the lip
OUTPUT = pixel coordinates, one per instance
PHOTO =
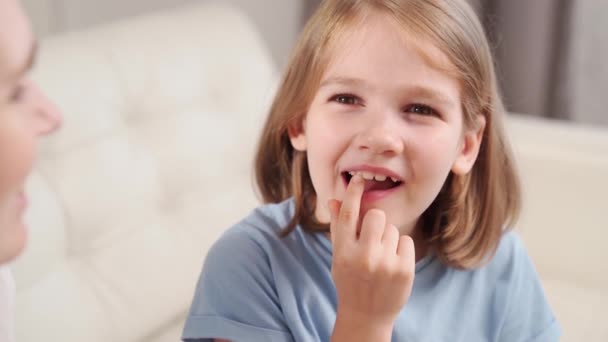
(375, 195)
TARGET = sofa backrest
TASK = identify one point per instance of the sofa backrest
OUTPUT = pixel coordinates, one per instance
(564, 223)
(162, 114)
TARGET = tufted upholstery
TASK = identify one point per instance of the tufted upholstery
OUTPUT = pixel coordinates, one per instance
(153, 162)
(161, 117)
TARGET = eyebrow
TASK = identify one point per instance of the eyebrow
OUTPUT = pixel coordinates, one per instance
(414, 91)
(342, 81)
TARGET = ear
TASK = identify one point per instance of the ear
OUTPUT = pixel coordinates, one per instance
(469, 149)
(297, 136)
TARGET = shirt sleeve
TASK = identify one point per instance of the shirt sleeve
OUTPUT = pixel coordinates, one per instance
(236, 298)
(529, 317)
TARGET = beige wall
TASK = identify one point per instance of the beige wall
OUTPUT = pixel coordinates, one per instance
(278, 20)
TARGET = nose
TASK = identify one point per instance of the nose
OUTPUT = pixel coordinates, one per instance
(381, 137)
(47, 116)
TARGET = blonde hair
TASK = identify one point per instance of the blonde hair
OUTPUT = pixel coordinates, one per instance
(465, 222)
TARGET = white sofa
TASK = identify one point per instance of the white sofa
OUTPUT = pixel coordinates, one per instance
(162, 113)
(564, 224)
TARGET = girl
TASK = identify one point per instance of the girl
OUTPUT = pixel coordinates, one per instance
(25, 114)
(389, 186)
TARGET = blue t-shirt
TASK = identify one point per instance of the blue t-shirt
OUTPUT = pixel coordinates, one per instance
(256, 286)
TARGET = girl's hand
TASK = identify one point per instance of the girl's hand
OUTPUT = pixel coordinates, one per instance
(373, 269)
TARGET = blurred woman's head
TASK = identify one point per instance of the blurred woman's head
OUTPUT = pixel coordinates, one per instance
(25, 115)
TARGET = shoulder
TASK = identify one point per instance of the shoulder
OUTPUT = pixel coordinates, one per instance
(254, 237)
(510, 263)
(510, 247)
(528, 313)
(236, 294)
(262, 226)
(266, 219)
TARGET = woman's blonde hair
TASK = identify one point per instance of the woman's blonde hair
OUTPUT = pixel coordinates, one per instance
(464, 224)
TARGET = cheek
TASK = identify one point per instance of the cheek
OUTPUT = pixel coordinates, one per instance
(323, 129)
(326, 145)
(323, 154)
(326, 141)
(432, 159)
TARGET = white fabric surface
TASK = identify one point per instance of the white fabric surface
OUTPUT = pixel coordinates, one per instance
(7, 305)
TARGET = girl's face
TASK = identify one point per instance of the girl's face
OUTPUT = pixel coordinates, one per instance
(25, 114)
(383, 111)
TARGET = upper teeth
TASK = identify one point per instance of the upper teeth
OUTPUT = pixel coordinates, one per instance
(371, 176)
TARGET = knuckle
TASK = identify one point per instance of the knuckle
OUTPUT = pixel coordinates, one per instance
(402, 274)
(386, 270)
(367, 264)
(407, 241)
(404, 271)
(347, 215)
(392, 233)
(376, 215)
(374, 228)
(341, 261)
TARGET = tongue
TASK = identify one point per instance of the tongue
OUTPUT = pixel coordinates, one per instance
(373, 185)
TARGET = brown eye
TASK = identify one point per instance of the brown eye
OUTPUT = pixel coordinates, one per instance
(346, 99)
(421, 110)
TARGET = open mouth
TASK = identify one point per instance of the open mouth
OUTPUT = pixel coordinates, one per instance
(373, 182)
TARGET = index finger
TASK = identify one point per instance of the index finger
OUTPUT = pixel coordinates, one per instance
(345, 225)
